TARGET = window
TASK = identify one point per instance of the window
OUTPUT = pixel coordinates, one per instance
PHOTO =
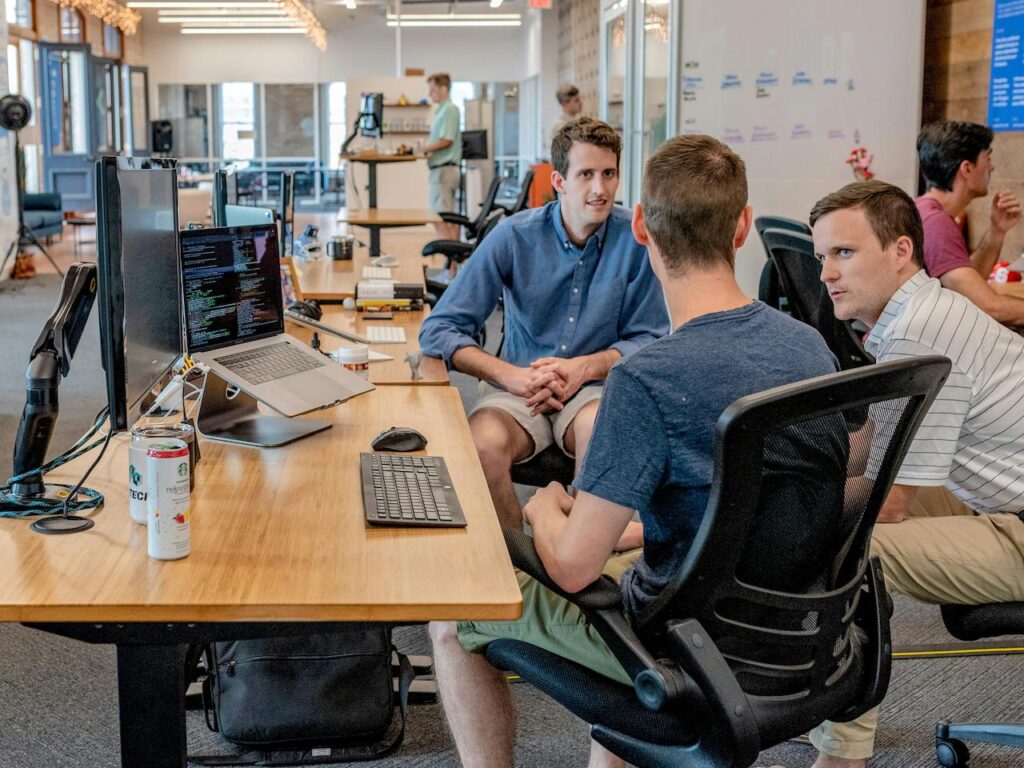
(111, 41)
(461, 92)
(19, 13)
(337, 128)
(288, 120)
(13, 69)
(238, 121)
(72, 26)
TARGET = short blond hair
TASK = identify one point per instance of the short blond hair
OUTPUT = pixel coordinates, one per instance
(566, 93)
(442, 79)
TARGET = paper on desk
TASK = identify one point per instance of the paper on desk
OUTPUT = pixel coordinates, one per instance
(378, 357)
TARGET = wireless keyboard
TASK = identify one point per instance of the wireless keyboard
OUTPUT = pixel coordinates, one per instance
(408, 490)
(385, 334)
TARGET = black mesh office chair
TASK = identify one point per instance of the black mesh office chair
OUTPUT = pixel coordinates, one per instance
(721, 668)
(977, 622)
(799, 272)
(474, 225)
(524, 196)
(454, 252)
(769, 290)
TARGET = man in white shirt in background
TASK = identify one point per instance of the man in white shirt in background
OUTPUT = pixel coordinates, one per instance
(949, 531)
(568, 96)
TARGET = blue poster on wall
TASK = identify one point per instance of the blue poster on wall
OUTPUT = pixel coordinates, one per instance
(56, 105)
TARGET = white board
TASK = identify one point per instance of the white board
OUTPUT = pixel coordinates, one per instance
(793, 85)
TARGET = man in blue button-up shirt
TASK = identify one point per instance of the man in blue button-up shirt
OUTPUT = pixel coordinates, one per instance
(579, 295)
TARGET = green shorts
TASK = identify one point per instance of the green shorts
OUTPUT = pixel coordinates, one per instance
(554, 624)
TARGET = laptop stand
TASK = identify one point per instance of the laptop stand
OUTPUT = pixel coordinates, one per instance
(233, 417)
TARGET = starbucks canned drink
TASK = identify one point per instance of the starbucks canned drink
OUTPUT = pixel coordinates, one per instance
(168, 500)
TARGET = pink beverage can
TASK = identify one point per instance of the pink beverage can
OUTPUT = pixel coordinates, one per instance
(169, 513)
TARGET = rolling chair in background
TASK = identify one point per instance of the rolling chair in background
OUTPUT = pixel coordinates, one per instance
(522, 199)
(792, 254)
(454, 252)
(977, 622)
(487, 206)
(769, 290)
(723, 669)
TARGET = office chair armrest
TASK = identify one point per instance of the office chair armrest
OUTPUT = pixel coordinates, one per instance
(873, 611)
(454, 218)
(456, 250)
(659, 683)
(700, 659)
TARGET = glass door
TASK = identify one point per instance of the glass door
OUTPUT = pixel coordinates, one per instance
(135, 114)
(653, 122)
(65, 79)
(106, 105)
(615, 94)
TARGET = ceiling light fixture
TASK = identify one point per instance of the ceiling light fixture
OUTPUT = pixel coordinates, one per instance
(108, 11)
(455, 17)
(350, 4)
(281, 21)
(225, 14)
(496, 3)
(242, 31)
(199, 5)
(455, 23)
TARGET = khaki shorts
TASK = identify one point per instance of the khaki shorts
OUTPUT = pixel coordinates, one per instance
(443, 183)
(545, 428)
(554, 624)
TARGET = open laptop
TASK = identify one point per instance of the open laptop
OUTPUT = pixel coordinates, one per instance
(234, 322)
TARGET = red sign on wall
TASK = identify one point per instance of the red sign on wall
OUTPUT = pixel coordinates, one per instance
(544, 4)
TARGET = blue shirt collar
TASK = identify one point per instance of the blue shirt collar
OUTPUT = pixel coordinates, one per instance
(563, 236)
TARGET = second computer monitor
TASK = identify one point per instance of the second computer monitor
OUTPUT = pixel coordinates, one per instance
(371, 115)
(245, 215)
(139, 280)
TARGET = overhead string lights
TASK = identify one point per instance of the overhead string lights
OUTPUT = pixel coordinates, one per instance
(108, 11)
(314, 29)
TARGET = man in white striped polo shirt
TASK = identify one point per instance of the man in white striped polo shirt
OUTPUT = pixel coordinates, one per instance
(949, 528)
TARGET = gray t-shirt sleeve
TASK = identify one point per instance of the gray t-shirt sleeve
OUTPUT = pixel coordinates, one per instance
(627, 459)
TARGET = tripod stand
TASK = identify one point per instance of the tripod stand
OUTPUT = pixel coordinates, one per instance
(25, 234)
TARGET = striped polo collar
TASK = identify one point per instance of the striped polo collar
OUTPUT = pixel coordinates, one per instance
(894, 308)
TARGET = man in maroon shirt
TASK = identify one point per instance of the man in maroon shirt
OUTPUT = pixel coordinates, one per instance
(956, 162)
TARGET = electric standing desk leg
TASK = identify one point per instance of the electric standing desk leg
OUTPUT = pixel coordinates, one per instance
(151, 689)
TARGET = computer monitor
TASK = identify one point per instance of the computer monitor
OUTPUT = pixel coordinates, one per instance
(232, 285)
(242, 215)
(474, 145)
(139, 280)
(225, 192)
(371, 115)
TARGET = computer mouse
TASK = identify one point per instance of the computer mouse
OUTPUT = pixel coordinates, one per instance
(399, 439)
(385, 261)
(310, 309)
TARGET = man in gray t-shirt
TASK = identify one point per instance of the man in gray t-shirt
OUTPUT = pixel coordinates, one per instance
(652, 446)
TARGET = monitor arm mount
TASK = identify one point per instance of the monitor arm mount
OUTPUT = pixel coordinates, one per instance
(49, 361)
(355, 131)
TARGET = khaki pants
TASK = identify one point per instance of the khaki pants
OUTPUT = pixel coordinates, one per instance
(942, 553)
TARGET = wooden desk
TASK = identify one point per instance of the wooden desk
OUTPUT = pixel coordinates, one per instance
(333, 281)
(372, 160)
(376, 219)
(385, 372)
(278, 535)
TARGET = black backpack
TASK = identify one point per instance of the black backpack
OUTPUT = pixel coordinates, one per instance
(306, 699)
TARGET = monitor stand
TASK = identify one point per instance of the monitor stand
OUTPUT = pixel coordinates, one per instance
(235, 418)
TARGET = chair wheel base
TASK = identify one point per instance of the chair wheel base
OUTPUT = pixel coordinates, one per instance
(952, 753)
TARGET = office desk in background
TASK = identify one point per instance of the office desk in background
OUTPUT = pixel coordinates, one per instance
(327, 280)
(372, 160)
(376, 219)
(278, 536)
(384, 372)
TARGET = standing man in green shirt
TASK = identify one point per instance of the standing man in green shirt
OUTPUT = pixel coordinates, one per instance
(444, 153)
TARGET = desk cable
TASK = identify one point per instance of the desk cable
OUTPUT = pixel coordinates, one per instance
(17, 506)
